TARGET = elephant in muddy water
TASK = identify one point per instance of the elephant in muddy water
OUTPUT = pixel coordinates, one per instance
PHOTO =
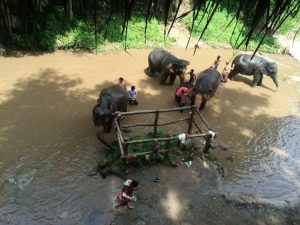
(257, 67)
(168, 65)
(111, 99)
(206, 86)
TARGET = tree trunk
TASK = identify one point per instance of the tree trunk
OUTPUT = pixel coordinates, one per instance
(69, 9)
(6, 20)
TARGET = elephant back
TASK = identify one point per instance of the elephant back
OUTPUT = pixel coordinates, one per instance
(157, 57)
(249, 59)
(116, 95)
(207, 81)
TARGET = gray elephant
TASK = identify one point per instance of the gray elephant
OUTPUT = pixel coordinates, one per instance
(257, 67)
(168, 65)
(205, 88)
(111, 99)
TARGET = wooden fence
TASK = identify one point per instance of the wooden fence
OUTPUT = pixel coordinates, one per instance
(125, 142)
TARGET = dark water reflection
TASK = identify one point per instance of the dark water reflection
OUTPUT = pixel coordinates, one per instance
(267, 169)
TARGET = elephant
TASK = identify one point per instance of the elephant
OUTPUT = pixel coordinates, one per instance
(206, 86)
(111, 99)
(165, 63)
(256, 67)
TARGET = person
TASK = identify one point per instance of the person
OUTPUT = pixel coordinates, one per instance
(132, 93)
(125, 197)
(182, 139)
(226, 71)
(216, 63)
(122, 83)
(180, 95)
(192, 78)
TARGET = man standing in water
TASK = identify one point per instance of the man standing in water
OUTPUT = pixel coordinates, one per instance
(216, 63)
(192, 78)
(121, 83)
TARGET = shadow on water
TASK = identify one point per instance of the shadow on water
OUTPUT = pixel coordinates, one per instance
(263, 163)
(47, 147)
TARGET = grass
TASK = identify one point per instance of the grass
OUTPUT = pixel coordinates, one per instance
(52, 32)
(216, 32)
(113, 157)
(57, 33)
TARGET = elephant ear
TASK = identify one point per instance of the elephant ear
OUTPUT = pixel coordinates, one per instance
(264, 69)
(113, 107)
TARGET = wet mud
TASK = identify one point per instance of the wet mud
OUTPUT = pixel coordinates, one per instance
(48, 145)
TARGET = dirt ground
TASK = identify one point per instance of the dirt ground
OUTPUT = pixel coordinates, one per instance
(45, 109)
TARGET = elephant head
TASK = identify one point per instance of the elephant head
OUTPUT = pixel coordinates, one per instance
(103, 114)
(270, 69)
(180, 67)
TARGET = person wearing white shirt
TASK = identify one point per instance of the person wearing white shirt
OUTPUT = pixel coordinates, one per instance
(132, 93)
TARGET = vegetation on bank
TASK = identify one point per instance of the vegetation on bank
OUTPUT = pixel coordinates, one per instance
(80, 34)
(218, 32)
(56, 25)
(167, 159)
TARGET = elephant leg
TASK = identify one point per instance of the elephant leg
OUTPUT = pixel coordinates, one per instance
(202, 106)
(260, 80)
(256, 78)
(192, 98)
(232, 75)
(151, 70)
(198, 101)
(182, 78)
(163, 79)
(172, 79)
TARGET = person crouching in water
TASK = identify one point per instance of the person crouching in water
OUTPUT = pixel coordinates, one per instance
(126, 196)
(181, 94)
(132, 94)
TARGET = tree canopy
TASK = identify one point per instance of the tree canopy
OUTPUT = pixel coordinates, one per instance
(26, 17)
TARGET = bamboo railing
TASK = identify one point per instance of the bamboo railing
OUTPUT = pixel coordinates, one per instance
(125, 142)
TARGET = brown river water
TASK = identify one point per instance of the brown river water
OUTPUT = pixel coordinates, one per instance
(48, 145)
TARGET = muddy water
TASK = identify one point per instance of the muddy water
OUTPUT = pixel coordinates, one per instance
(47, 143)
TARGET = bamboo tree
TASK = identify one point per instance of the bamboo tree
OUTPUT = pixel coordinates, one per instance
(6, 19)
(70, 9)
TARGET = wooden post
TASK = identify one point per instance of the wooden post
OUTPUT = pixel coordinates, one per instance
(120, 144)
(191, 120)
(168, 143)
(207, 144)
(155, 123)
(125, 147)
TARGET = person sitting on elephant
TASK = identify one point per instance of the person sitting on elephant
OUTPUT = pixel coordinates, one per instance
(132, 94)
(192, 78)
(122, 83)
(216, 63)
(226, 71)
(180, 95)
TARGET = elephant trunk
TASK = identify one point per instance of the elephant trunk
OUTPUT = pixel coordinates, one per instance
(275, 80)
(100, 135)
